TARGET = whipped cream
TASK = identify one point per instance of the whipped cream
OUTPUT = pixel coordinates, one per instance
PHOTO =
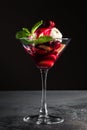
(56, 34)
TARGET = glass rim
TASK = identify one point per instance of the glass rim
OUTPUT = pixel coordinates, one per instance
(61, 40)
(64, 38)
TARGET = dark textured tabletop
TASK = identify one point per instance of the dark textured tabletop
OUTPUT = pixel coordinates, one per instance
(71, 105)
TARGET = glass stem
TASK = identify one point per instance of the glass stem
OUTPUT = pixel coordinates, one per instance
(43, 109)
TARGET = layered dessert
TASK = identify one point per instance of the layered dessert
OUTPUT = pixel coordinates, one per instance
(43, 43)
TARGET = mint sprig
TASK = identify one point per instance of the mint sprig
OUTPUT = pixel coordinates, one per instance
(25, 33)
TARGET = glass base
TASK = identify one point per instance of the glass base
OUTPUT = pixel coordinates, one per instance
(43, 119)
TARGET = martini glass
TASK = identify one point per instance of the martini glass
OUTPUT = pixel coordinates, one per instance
(45, 55)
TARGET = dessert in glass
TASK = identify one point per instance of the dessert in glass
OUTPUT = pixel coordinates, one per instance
(44, 43)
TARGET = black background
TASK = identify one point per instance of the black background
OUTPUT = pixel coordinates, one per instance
(17, 71)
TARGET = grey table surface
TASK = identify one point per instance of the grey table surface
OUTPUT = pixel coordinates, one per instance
(71, 105)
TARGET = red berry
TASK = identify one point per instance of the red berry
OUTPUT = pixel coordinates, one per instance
(45, 64)
(49, 24)
(52, 24)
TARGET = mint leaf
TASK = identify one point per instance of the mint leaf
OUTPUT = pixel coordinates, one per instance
(43, 39)
(40, 40)
(34, 28)
(23, 33)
